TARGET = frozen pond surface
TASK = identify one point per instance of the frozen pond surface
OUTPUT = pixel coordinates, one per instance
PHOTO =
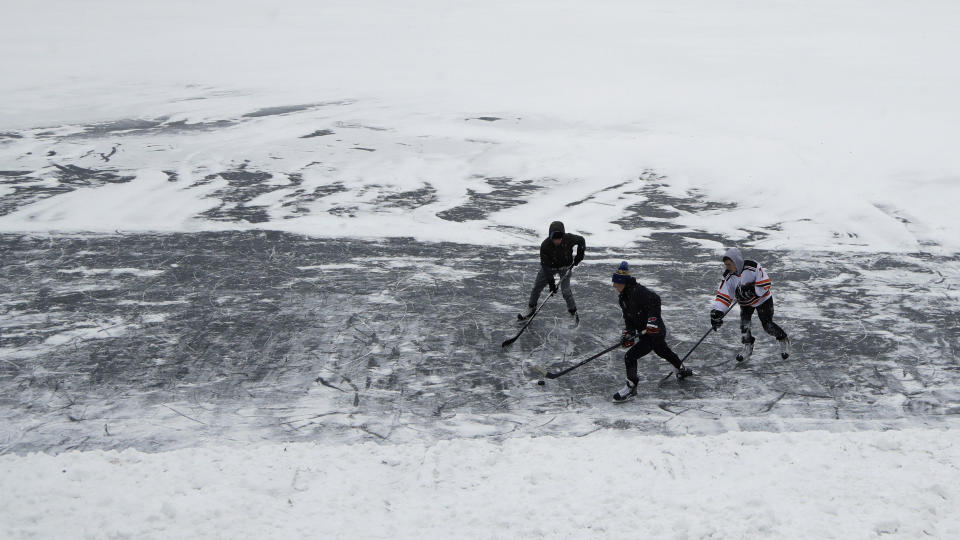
(165, 341)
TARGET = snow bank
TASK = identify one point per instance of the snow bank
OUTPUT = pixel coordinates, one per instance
(831, 125)
(609, 484)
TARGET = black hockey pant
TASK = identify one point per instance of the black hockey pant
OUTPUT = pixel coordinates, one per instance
(645, 344)
(765, 314)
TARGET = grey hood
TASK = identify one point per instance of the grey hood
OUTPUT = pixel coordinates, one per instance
(734, 255)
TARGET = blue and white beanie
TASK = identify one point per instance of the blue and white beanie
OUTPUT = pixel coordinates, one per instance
(622, 275)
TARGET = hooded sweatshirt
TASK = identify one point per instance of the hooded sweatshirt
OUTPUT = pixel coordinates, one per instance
(749, 276)
(561, 256)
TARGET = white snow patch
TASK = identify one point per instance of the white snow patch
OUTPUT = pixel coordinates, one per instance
(92, 330)
(111, 271)
(150, 318)
(382, 297)
(147, 303)
(341, 266)
(734, 485)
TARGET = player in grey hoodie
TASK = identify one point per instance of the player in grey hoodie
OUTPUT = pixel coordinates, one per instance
(556, 257)
(747, 281)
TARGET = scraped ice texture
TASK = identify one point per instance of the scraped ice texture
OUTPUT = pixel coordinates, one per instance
(831, 125)
(611, 484)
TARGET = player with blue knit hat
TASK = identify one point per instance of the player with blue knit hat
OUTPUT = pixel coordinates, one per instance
(644, 330)
(622, 274)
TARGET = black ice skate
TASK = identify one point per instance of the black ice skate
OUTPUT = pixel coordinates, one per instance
(628, 392)
(574, 319)
(524, 316)
(784, 347)
(682, 373)
(745, 352)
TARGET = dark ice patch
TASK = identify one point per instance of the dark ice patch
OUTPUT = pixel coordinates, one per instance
(105, 156)
(244, 186)
(182, 126)
(688, 237)
(658, 207)
(9, 135)
(288, 109)
(299, 200)
(121, 126)
(142, 127)
(408, 199)
(277, 111)
(354, 125)
(318, 133)
(29, 187)
(80, 176)
(507, 193)
(344, 211)
(519, 232)
(594, 194)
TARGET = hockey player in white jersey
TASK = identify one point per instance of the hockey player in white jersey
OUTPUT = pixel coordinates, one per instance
(746, 281)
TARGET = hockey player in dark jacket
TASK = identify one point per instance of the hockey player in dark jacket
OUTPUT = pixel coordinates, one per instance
(644, 330)
(556, 256)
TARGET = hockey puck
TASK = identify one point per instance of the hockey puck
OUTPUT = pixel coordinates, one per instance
(541, 382)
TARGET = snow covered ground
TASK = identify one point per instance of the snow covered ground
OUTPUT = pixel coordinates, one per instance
(342, 377)
(899, 484)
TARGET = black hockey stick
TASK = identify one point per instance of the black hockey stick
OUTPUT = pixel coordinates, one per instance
(551, 375)
(552, 293)
(707, 333)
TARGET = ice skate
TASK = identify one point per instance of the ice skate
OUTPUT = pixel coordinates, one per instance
(529, 313)
(784, 347)
(628, 392)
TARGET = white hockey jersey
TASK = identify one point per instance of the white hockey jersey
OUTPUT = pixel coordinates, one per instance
(750, 278)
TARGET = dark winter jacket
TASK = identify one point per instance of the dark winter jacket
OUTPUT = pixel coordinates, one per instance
(561, 256)
(639, 304)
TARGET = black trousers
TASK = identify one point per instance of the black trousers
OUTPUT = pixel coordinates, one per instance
(765, 314)
(645, 344)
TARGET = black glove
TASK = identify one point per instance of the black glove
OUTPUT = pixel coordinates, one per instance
(716, 319)
(746, 293)
(627, 339)
(553, 284)
(578, 258)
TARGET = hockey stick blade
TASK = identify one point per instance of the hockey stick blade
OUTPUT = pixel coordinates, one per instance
(554, 375)
(529, 320)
